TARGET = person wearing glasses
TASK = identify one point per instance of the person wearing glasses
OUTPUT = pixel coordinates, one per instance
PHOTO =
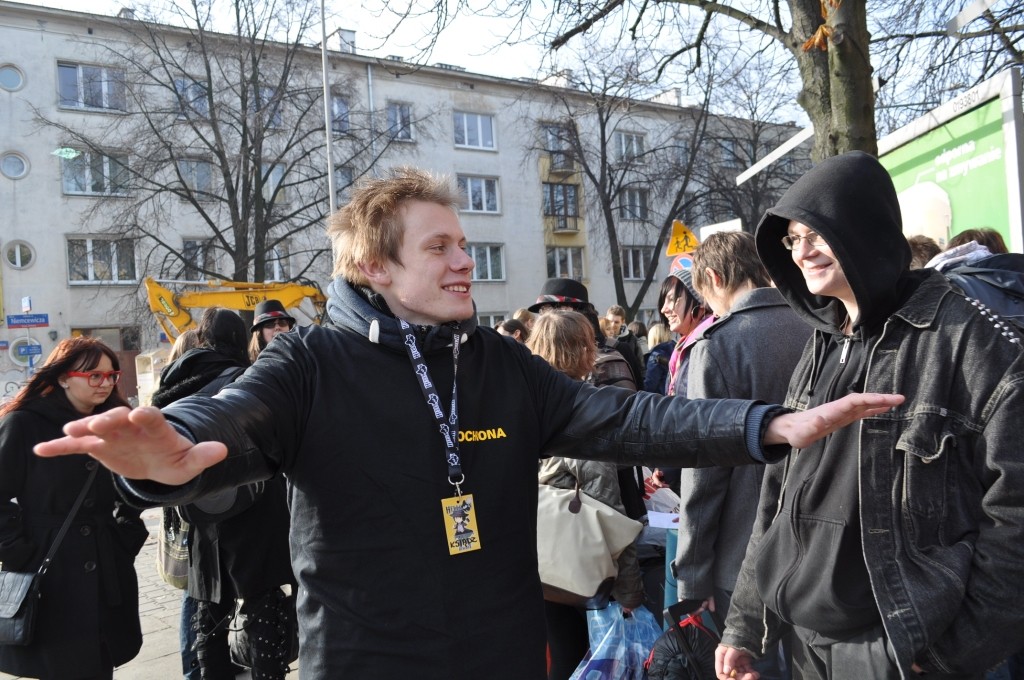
(89, 612)
(895, 546)
(270, 319)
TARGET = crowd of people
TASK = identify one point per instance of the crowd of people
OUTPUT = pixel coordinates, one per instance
(841, 430)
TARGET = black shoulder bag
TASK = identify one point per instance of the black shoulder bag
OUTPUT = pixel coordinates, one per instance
(19, 591)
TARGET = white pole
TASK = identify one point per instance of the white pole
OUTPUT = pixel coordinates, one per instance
(332, 197)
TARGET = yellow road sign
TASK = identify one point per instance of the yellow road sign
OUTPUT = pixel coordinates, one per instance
(682, 240)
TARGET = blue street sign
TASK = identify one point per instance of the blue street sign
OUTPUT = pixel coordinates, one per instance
(29, 350)
(28, 320)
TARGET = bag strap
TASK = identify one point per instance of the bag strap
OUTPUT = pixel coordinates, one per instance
(67, 522)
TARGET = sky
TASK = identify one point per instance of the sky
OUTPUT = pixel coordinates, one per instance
(469, 42)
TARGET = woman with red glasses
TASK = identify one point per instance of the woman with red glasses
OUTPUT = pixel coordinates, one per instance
(89, 613)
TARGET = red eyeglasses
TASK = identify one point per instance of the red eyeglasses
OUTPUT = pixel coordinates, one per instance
(97, 378)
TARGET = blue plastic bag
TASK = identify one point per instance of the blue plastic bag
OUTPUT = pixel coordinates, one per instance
(618, 645)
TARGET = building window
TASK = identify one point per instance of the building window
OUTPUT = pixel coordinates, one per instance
(633, 204)
(561, 200)
(400, 121)
(91, 173)
(197, 177)
(565, 263)
(199, 259)
(635, 260)
(558, 143)
(272, 178)
(19, 254)
(629, 146)
(730, 153)
(11, 78)
(264, 103)
(90, 87)
(490, 319)
(474, 130)
(490, 265)
(276, 267)
(13, 165)
(99, 260)
(343, 179)
(479, 194)
(341, 124)
(193, 98)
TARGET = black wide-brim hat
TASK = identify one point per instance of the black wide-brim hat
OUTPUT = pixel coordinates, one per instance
(270, 310)
(568, 292)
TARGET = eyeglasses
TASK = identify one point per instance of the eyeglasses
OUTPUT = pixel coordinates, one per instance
(277, 323)
(97, 378)
(813, 239)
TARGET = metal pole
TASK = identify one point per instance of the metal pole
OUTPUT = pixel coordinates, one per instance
(332, 197)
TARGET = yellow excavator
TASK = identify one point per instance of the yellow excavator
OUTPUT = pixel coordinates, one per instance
(172, 309)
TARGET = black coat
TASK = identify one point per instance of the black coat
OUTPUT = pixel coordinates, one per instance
(245, 555)
(90, 595)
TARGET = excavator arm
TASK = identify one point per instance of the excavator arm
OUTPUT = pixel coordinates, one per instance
(172, 309)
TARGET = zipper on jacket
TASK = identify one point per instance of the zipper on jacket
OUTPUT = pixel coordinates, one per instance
(846, 350)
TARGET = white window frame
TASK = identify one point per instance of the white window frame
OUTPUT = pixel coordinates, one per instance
(399, 121)
(472, 187)
(573, 258)
(192, 98)
(344, 177)
(95, 247)
(197, 177)
(478, 125)
(277, 265)
(273, 178)
(198, 254)
(112, 94)
(89, 163)
(490, 261)
(341, 114)
(634, 261)
(490, 319)
(19, 254)
(629, 147)
(634, 204)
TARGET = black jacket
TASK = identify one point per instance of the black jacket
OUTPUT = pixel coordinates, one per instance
(90, 593)
(247, 554)
(338, 410)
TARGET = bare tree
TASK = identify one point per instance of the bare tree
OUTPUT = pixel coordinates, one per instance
(834, 44)
(218, 166)
(642, 164)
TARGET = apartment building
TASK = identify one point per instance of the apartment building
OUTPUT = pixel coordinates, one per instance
(109, 172)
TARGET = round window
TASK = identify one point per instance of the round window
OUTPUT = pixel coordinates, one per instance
(24, 352)
(13, 165)
(19, 254)
(11, 77)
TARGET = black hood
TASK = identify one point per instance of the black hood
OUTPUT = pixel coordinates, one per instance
(851, 201)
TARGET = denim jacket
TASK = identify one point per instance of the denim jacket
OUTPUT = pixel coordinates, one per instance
(941, 489)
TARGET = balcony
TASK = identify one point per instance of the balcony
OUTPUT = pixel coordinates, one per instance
(561, 162)
(562, 224)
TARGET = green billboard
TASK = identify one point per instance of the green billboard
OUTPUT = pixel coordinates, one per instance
(959, 167)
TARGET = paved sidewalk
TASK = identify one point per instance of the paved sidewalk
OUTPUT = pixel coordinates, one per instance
(159, 609)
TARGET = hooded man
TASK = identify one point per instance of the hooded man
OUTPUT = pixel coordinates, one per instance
(381, 445)
(894, 546)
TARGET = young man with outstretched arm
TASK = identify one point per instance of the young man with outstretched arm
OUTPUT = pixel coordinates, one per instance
(414, 504)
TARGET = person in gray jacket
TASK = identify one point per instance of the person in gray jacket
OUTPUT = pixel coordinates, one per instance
(895, 546)
(400, 418)
(748, 353)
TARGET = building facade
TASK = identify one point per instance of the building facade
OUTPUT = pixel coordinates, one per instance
(110, 173)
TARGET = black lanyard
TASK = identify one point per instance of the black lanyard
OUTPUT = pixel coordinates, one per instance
(448, 426)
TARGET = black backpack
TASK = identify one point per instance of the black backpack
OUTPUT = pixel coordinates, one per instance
(611, 368)
(996, 282)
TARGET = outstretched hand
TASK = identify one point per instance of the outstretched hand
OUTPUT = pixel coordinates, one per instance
(734, 663)
(803, 428)
(137, 444)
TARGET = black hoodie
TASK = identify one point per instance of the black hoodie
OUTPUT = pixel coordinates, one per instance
(810, 568)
